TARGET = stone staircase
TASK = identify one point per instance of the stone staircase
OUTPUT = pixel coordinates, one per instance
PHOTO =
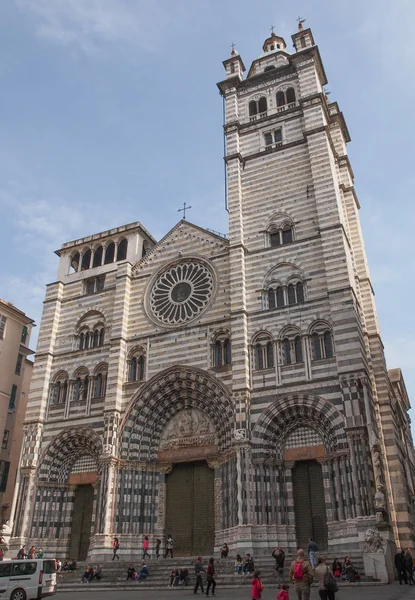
(115, 573)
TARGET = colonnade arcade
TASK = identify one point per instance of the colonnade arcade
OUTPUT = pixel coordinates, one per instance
(180, 419)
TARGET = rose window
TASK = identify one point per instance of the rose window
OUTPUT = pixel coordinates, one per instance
(181, 293)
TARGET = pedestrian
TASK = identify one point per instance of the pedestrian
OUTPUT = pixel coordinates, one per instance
(349, 572)
(22, 553)
(238, 564)
(248, 566)
(210, 577)
(312, 553)
(88, 574)
(257, 587)
(145, 547)
(400, 566)
(40, 553)
(157, 548)
(184, 576)
(409, 566)
(336, 568)
(130, 572)
(279, 556)
(173, 577)
(283, 593)
(224, 551)
(58, 564)
(143, 574)
(32, 552)
(115, 547)
(198, 573)
(169, 546)
(327, 583)
(98, 573)
(1, 554)
(301, 574)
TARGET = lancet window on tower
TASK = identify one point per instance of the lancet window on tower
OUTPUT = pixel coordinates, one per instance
(258, 107)
(263, 353)
(221, 351)
(280, 235)
(286, 98)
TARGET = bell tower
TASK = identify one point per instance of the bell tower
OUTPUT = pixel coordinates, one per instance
(302, 303)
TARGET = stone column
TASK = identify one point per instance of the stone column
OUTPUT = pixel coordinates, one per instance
(326, 486)
(29, 502)
(91, 392)
(289, 492)
(339, 490)
(355, 475)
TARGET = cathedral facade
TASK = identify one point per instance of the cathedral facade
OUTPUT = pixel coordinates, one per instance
(224, 388)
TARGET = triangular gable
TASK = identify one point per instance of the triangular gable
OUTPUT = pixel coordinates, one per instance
(201, 236)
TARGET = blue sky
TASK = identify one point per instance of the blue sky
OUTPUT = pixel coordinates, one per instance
(110, 114)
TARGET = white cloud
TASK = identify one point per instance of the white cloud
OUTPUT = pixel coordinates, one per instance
(89, 24)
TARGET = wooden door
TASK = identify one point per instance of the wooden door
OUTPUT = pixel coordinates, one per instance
(190, 508)
(81, 522)
(309, 504)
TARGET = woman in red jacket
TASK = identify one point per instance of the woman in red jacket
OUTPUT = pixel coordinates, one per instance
(257, 586)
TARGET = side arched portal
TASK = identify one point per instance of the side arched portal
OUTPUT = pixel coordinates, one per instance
(66, 492)
(307, 475)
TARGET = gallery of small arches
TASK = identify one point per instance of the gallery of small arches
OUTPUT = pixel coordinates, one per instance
(283, 98)
(292, 345)
(78, 387)
(96, 256)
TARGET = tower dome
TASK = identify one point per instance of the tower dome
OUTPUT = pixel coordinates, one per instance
(274, 43)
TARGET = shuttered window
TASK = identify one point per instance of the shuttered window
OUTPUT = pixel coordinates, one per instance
(12, 401)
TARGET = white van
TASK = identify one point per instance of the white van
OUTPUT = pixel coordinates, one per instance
(27, 579)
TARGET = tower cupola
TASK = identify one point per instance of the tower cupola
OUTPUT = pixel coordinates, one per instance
(274, 44)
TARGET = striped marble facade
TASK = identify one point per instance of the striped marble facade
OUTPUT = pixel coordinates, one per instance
(307, 379)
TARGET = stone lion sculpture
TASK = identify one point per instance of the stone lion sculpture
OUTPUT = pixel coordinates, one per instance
(374, 541)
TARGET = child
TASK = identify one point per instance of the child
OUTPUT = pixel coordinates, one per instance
(283, 594)
(257, 586)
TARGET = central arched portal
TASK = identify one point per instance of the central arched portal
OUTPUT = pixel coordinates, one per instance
(175, 447)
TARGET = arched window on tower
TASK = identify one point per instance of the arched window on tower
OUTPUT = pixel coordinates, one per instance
(98, 386)
(271, 298)
(280, 296)
(262, 105)
(253, 108)
(221, 350)
(227, 350)
(316, 346)
(328, 344)
(86, 260)
(218, 353)
(290, 95)
(300, 291)
(278, 235)
(136, 366)
(291, 294)
(298, 347)
(286, 351)
(270, 355)
(280, 98)
(263, 352)
(57, 393)
(259, 359)
(75, 262)
(97, 260)
(109, 253)
(122, 250)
